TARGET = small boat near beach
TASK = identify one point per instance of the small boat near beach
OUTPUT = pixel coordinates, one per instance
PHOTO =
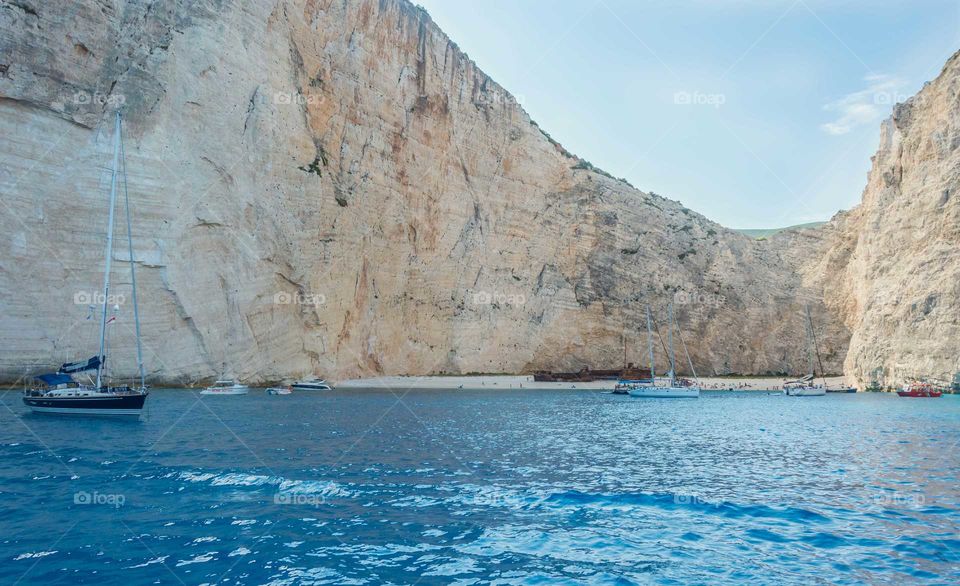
(226, 386)
(842, 389)
(279, 391)
(312, 384)
(804, 387)
(919, 389)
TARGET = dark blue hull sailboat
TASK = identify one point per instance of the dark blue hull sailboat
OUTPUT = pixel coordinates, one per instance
(58, 392)
(80, 401)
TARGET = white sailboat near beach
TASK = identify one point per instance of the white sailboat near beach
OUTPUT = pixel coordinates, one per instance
(805, 386)
(674, 389)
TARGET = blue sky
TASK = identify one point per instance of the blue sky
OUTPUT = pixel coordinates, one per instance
(755, 113)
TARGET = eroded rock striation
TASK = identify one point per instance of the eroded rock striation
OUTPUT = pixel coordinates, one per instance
(334, 187)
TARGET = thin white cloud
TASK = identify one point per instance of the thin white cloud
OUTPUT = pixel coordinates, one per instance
(866, 106)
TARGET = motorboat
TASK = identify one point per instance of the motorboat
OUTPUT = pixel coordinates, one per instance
(312, 384)
(226, 387)
(279, 391)
(919, 389)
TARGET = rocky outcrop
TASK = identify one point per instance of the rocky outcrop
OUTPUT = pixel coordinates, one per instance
(890, 268)
(334, 187)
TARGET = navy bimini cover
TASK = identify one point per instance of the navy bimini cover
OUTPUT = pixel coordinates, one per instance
(53, 379)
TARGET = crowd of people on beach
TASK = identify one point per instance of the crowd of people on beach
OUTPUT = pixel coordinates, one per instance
(739, 386)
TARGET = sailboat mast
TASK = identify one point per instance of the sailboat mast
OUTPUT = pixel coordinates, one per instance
(809, 329)
(685, 351)
(133, 270)
(653, 373)
(816, 347)
(673, 360)
(109, 252)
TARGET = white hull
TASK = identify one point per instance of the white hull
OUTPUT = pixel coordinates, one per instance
(817, 392)
(666, 392)
(315, 384)
(233, 391)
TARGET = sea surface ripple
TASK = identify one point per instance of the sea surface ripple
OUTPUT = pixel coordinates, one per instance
(485, 487)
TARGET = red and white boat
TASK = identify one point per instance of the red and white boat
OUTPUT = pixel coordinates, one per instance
(919, 390)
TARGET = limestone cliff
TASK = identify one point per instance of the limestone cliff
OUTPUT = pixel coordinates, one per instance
(890, 268)
(334, 187)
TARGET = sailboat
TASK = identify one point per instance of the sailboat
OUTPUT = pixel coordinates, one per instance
(674, 389)
(805, 386)
(59, 392)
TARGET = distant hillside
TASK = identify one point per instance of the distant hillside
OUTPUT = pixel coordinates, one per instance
(767, 232)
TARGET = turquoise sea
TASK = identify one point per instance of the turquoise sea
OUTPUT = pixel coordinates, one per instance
(492, 487)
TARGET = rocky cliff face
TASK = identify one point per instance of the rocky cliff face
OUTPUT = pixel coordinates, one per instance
(334, 187)
(890, 268)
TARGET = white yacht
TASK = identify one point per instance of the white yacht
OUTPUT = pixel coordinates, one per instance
(226, 387)
(805, 391)
(312, 384)
(805, 387)
(677, 388)
(674, 391)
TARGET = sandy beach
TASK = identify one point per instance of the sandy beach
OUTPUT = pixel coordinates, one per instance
(759, 383)
(516, 382)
